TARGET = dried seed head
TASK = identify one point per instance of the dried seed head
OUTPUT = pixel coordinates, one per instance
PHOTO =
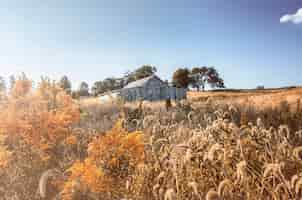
(281, 189)
(161, 193)
(274, 169)
(160, 177)
(188, 156)
(155, 190)
(298, 186)
(194, 186)
(233, 109)
(212, 195)
(284, 131)
(212, 152)
(259, 123)
(241, 171)
(297, 153)
(44, 179)
(223, 185)
(127, 185)
(294, 180)
(170, 194)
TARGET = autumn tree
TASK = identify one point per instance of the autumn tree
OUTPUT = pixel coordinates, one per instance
(65, 84)
(181, 77)
(200, 76)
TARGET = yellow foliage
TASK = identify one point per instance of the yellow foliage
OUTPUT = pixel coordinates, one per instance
(42, 118)
(21, 88)
(118, 151)
(111, 158)
(71, 140)
(85, 176)
(35, 126)
(4, 157)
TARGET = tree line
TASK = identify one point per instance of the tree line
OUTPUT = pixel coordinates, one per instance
(110, 84)
(197, 78)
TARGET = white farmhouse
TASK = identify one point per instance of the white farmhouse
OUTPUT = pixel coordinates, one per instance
(151, 88)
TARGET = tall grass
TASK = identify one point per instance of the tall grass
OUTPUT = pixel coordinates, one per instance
(52, 147)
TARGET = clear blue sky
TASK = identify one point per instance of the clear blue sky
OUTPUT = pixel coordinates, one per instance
(92, 40)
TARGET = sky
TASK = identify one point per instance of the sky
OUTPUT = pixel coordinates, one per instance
(250, 43)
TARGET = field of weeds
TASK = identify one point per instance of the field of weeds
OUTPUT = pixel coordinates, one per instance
(53, 147)
(259, 98)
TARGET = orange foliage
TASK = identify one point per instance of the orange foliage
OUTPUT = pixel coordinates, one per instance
(85, 177)
(71, 140)
(4, 157)
(111, 158)
(117, 151)
(42, 118)
(37, 125)
(21, 88)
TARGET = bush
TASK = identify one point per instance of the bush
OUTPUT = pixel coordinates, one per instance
(112, 159)
(36, 126)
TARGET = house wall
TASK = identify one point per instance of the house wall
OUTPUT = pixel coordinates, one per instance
(154, 93)
(153, 90)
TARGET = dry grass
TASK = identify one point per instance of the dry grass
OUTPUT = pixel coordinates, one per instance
(261, 98)
(207, 147)
(204, 154)
(98, 115)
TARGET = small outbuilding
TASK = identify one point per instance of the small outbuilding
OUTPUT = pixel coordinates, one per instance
(152, 88)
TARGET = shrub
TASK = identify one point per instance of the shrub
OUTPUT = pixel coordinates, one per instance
(35, 125)
(112, 158)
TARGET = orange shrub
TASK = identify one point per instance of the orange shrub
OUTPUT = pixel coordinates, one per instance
(111, 158)
(85, 177)
(35, 136)
(41, 118)
(118, 152)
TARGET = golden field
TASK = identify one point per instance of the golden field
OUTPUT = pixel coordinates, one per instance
(261, 98)
(212, 146)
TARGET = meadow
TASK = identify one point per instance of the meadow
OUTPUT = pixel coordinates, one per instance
(213, 146)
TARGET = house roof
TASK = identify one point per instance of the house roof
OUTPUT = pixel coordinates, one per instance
(141, 82)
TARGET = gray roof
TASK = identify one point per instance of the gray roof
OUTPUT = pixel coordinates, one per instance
(141, 82)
